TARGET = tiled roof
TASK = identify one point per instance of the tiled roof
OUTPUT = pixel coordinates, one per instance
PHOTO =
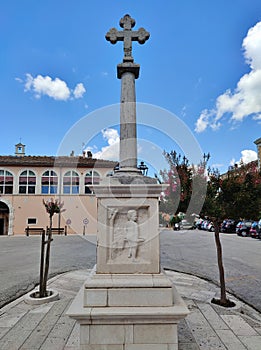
(51, 161)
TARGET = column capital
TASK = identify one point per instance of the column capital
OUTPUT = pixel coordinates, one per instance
(128, 67)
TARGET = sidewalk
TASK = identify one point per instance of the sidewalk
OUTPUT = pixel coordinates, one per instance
(46, 327)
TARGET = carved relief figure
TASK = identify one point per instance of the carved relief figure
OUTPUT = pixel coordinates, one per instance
(124, 234)
(132, 234)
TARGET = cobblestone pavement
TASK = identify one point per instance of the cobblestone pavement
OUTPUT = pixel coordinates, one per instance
(46, 327)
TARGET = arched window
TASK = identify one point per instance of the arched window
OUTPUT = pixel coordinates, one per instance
(6, 182)
(71, 182)
(27, 182)
(91, 178)
(49, 182)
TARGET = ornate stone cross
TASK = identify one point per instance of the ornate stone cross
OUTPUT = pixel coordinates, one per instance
(127, 35)
(128, 71)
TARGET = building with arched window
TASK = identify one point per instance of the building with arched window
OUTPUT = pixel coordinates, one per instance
(92, 177)
(26, 180)
(49, 182)
(6, 182)
(71, 182)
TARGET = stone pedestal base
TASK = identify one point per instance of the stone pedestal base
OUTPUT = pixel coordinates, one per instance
(128, 312)
(127, 304)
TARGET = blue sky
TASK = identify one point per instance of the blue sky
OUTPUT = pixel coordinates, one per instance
(202, 65)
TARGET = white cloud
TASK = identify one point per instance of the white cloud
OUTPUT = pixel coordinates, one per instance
(57, 89)
(111, 151)
(252, 46)
(247, 155)
(203, 121)
(54, 88)
(245, 100)
(79, 90)
(111, 135)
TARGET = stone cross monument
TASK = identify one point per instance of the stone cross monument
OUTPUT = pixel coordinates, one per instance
(127, 36)
(128, 71)
(128, 303)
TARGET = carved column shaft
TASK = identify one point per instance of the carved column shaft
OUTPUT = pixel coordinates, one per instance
(128, 133)
(128, 72)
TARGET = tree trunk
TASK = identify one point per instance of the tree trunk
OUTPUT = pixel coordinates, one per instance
(41, 288)
(47, 258)
(223, 299)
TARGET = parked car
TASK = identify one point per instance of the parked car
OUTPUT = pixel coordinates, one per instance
(243, 228)
(259, 228)
(204, 225)
(210, 226)
(228, 226)
(176, 226)
(198, 223)
(186, 225)
(254, 230)
(175, 222)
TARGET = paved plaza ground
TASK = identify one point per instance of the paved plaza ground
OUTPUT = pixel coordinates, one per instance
(47, 327)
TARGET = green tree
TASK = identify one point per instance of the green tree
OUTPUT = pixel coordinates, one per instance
(179, 179)
(233, 195)
(240, 192)
(187, 185)
(192, 181)
(236, 195)
(213, 209)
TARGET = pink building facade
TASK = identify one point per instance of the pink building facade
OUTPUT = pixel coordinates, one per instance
(26, 180)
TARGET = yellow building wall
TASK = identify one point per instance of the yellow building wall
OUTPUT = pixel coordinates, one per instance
(80, 215)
